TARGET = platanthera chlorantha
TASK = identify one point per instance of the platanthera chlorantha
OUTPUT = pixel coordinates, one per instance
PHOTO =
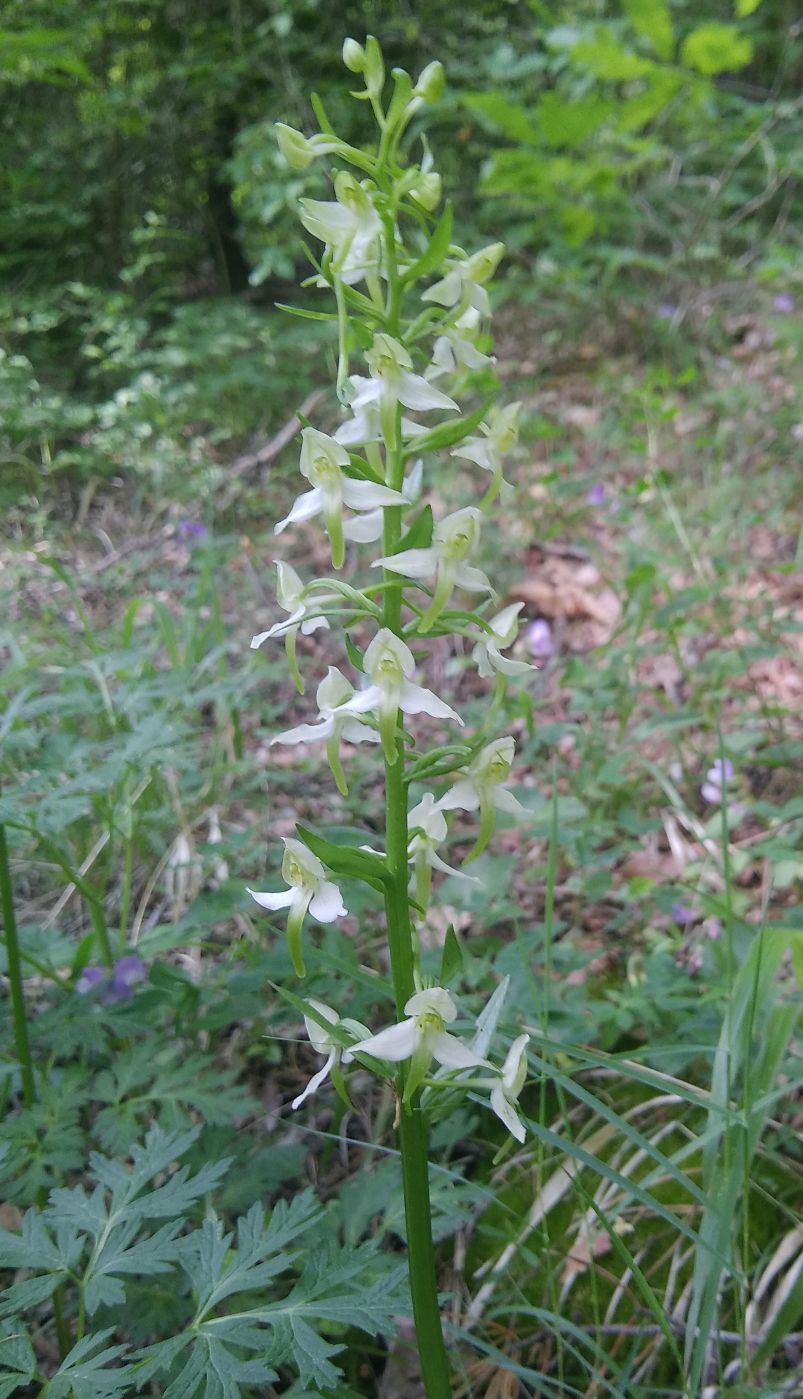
(413, 317)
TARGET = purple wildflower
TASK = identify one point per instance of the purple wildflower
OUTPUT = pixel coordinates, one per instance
(682, 915)
(666, 311)
(90, 978)
(784, 303)
(718, 776)
(127, 972)
(596, 495)
(539, 638)
(191, 529)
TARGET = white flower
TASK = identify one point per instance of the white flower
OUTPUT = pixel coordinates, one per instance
(503, 631)
(500, 436)
(455, 348)
(322, 460)
(392, 382)
(422, 1038)
(366, 426)
(454, 540)
(389, 665)
(463, 284)
(309, 890)
(481, 789)
(322, 1043)
(290, 595)
(333, 724)
(428, 828)
(366, 529)
(505, 1093)
(349, 226)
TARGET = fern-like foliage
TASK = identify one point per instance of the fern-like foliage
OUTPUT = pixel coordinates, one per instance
(261, 1293)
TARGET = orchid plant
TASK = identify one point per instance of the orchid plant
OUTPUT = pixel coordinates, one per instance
(412, 308)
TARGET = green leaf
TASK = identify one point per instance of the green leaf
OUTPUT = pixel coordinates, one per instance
(435, 251)
(716, 48)
(566, 121)
(743, 8)
(652, 20)
(304, 314)
(604, 57)
(447, 434)
(419, 535)
(82, 1373)
(508, 117)
(452, 957)
(16, 1353)
(345, 860)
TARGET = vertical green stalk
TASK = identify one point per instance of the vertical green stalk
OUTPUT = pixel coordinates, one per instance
(21, 1040)
(412, 1131)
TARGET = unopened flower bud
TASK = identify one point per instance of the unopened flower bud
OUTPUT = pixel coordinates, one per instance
(431, 83)
(353, 56)
(294, 146)
(427, 191)
(373, 67)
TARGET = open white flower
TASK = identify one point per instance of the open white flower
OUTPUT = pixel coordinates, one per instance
(463, 284)
(366, 529)
(322, 460)
(422, 1038)
(392, 382)
(322, 1043)
(334, 724)
(389, 664)
(428, 828)
(455, 348)
(455, 539)
(505, 1093)
(481, 788)
(291, 596)
(309, 890)
(499, 436)
(349, 226)
(504, 629)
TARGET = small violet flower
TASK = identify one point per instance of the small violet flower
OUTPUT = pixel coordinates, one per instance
(322, 460)
(596, 495)
(539, 639)
(784, 304)
(455, 540)
(682, 915)
(309, 890)
(422, 1038)
(191, 529)
(334, 724)
(505, 1093)
(389, 664)
(116, 986)
(719, 775)
(503, 632)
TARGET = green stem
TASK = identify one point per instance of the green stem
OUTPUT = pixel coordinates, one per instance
(412, 1132)
(21, 1040)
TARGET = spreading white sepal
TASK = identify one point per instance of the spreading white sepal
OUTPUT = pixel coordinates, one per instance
(291, 597)
(309, 890)
(335, 723)
(499, 436)
(389, 664)
(423, 1035)
(504, 629)
(455, 540)
(505, 1093)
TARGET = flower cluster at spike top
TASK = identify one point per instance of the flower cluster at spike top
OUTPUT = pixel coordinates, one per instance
(413, 316)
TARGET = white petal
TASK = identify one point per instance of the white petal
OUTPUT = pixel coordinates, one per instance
(462, 797)
(367, 495)
(355, 732)
(472, 579)
(316, 1081)
(306, 733)
(414, 392)
(432, 1000)
(505, 801)
(476, 450)
(304, 507)
(414, 699)
(508, 667)
(363, 701)
(395, 1043)
(453, 1054)
(506, 1114)
(411, 563)
(274, 901)
(364, 529)
(312, 624)
(438, 864)
(326, 904)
